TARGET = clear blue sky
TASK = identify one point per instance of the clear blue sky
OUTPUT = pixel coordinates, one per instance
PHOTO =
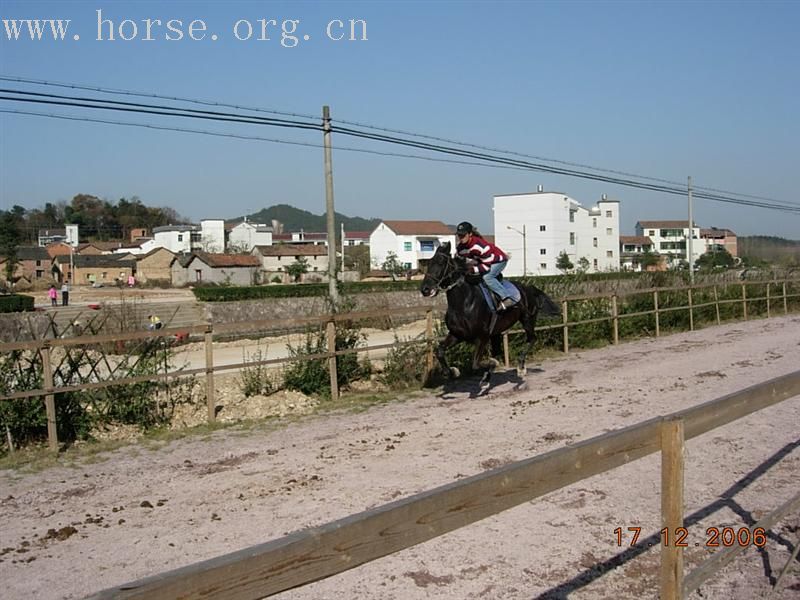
(663, 89)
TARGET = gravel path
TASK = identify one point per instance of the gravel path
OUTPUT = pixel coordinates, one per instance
(140, 510)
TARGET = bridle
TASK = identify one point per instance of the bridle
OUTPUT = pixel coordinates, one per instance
(451, 268)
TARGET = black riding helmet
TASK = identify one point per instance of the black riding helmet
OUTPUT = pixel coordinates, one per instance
(464, 228)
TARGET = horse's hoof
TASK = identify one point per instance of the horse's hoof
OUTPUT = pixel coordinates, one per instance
(454, 373)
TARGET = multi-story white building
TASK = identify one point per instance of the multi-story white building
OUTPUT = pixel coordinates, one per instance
(413, 242)
(208, 237)
(245, 236)
(670, 239)
(535, 228)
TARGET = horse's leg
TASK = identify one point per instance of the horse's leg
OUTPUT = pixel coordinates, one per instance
(441, 349)
(528, 321)
(477, 363)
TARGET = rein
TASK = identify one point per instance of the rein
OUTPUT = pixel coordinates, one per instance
(451, 269)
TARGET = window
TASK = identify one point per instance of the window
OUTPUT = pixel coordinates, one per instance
(594, 242)
(651, 232)
(39, 274)
(406, 265)
(38, 263)
(608, 214)
(426, 245)
(195, 237)
(572, 216)
(198, 275)
(543, 266)
(542, 227)
(572, 238)
(594, 222)
(180, 237)
(609, 231)
(407, 246)
(104, 275)
(594, 263)
(542, 251)
(610, 253)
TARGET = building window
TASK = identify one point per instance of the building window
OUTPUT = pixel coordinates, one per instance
(38, 263)
(39, 274)
(426, 246)
(543, 266)
(542, 251)
(594, 242)
(104, 275)
(180, 237)
(594, 222)
(572, 238)
(542, 227)
(406, 265)
(407, 246)
(608, 214)
(198, 275)
(609, 231)
(594, 264)
(610, 253)
(651, 232)
(572, 216)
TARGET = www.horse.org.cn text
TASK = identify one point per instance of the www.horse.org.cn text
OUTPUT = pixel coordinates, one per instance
(289, 33)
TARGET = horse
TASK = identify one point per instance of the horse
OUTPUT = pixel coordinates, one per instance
(469, 317)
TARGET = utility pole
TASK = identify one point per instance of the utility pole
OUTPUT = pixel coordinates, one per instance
(326, 141)
(691, 234)
(524, 235)
(342, 251)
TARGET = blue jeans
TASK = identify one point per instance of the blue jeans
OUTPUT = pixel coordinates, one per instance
(491, 279)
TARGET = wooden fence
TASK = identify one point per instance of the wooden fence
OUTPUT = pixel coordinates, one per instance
(611, 314)
(317, 553)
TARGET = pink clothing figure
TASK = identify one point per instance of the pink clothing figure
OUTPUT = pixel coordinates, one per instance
(52, 293)
(131, 280)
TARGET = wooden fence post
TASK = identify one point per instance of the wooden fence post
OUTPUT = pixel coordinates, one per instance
(768, 315)
(672, 438)
(429, 338)
(615, 318)
(331, 334)
(655, 308)
(744, 303)
(506, 357)
(785, 304)
(691, 312)
(716, 304)
(565, 320)
(210, 392)
(49, 399)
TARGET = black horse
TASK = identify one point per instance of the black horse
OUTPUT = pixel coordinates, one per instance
(469, 318)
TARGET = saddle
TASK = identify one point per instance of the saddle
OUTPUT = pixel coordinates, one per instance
(492, 299)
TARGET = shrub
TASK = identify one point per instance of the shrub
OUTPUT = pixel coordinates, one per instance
(255, 379)
(15, 303)
(404, 366)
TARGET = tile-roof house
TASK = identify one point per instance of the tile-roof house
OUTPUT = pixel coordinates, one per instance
(413, 242)
(274, 260)
(33, 262)
(228, 269)
(94, 268)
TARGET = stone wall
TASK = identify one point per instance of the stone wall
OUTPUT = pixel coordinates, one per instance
(23, 326)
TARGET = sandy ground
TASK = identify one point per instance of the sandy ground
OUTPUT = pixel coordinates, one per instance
(140, 510)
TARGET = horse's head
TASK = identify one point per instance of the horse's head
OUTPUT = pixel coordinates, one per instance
(443, 271)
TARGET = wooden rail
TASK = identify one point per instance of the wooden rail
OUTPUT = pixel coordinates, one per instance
(313, 554)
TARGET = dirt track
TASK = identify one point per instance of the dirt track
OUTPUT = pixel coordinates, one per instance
(141, 511)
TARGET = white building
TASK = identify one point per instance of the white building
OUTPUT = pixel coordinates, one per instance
(208, 237)
(670, 239)
(535, 228)
(245, 236)
(413, 242)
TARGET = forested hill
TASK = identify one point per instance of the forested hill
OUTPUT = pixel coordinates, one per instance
(772, 249)
(295, 219)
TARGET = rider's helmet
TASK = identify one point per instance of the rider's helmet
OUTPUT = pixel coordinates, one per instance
(464, 228)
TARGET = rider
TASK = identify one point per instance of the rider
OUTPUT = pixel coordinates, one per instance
(485, 258)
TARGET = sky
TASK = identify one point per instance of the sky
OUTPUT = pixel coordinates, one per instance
(664, 90)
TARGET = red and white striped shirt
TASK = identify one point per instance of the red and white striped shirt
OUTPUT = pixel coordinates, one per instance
(484, 252)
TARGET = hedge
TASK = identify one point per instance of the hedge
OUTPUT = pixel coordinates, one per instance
(15, 303)
(303, 290)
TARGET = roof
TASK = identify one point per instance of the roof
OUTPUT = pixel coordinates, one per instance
(356, 235)
(716, 233)
(639, 240)
(418, 227)
(88, 261)
(175, 228)
(32, 253)
(666, 224)
(154, 251)
(226, 260)
(292, 250)
(58, 248)
(52, 232)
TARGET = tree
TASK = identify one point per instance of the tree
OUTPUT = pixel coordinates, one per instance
(298, 268)
(563, 263)
(715, 259)
(9, 242)
(583, 264)
(393, 266)
(648, 258)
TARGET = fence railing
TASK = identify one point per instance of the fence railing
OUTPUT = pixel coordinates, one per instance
(610, 314)
(317, 553)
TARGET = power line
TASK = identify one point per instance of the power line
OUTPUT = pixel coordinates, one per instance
(162, 110)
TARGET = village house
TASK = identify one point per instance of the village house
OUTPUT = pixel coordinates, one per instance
(221, 269)
(275, 259)
(91, 269)
(155, 266)
(33, 264)
(412, 242)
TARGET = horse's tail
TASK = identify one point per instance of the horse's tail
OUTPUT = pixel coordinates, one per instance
(540, 302)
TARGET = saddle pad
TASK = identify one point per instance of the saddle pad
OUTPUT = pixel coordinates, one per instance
(511, 291)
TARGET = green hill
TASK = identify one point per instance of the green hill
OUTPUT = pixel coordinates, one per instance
(295, 219)
(769, 248)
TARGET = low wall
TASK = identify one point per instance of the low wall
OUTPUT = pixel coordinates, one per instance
(23, 326)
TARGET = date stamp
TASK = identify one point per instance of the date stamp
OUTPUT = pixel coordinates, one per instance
(714, 538)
